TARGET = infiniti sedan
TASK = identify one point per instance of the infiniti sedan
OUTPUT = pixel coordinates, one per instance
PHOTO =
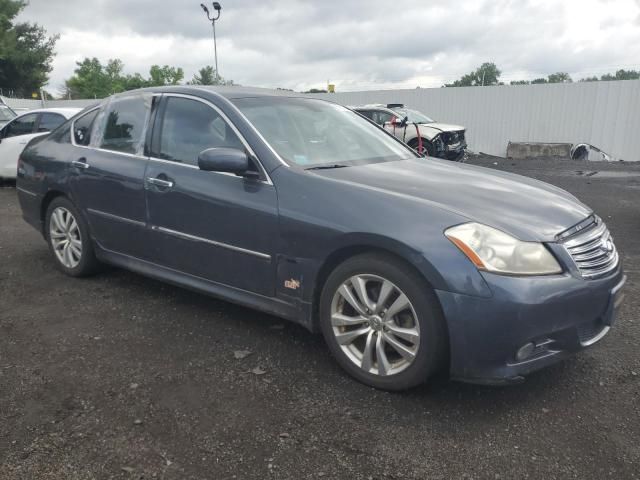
(306, 210)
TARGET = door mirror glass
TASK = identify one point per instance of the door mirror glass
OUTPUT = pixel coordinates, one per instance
(229, 160)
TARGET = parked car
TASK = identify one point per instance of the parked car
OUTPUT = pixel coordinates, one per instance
(417, 130)
(19, 131)
(6, 114)
(304, 209)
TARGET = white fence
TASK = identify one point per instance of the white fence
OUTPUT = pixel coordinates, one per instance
(603, 114)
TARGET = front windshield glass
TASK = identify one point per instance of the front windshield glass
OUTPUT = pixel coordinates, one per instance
(414, 115)
(6, 113)
(312, 133)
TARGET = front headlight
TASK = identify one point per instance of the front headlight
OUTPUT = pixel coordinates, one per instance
(495, 251)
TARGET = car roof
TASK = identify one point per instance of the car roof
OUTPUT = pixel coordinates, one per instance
(229, 92)
(66, 112)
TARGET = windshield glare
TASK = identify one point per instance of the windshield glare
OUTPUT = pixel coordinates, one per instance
(413, 115)
(6, 113)
(311, 133)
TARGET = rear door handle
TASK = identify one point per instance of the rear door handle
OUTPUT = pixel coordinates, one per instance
(80, 163)
(159, 182)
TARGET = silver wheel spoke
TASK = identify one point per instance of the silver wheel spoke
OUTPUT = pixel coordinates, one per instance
(385, 291)
(408, 334)
(360, 286)
(401, 303)
(348, 296)
(399, 347)
(348, 337)
(367, 353)
(367, 327)
(383, 362)
(64, 234)
(340, 320)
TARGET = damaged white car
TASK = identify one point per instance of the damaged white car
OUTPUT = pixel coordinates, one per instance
(417, 130)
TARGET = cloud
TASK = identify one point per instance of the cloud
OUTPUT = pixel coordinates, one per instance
(356, 44)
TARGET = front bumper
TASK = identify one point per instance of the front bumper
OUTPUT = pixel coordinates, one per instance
(559, 315)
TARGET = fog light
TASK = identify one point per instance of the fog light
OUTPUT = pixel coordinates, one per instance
(525, 351)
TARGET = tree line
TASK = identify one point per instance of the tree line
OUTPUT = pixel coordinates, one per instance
(489, 74)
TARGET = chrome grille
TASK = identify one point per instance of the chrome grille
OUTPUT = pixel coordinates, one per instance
(592, 250)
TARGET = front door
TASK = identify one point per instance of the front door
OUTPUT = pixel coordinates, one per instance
(107, 173)
(215, 226)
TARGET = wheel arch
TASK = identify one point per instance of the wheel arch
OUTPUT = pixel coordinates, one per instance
(44, 205)
(413, 260)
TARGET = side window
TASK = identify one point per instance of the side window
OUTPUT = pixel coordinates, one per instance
(21, 126)
(124, 123)
(382, 117)
(82, 128)
(366, 113)
(189, 127)
(49, 121)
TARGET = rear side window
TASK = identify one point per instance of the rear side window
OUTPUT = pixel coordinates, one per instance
(189, 127)
(82, 128)
(21, 126)
(50, 121)
(124, 124)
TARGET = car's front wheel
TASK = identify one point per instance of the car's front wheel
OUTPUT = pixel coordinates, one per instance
(69, 240)
(382, 322)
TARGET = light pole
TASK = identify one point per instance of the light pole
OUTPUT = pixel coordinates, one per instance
(218, 8)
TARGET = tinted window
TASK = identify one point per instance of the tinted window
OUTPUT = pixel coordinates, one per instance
(366, 113)
(49, 121)
(124, 124)
(21, 126)
(189, 127)
(381, 117)
(6, 113)
(82, 128)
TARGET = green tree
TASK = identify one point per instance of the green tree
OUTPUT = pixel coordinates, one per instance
(520, 82)
(559, 77)
(160, 76)
(89, 81)
(207, 76)
(26, 51)
(622, 75)
(539, 80)
(486, 74)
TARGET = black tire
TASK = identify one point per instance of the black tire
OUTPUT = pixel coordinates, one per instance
(427, 148)
(433, 342)
(87, 264)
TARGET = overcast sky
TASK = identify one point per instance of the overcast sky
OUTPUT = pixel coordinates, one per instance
(355, 44)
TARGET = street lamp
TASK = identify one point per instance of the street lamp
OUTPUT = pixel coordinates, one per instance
(218, 8)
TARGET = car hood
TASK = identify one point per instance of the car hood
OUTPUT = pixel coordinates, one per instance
(526, 208)
(430, 130)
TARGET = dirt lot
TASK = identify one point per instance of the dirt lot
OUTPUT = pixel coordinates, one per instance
(119, 376)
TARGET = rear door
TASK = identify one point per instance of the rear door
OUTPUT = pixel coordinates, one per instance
(13, 138)
(216, 226)
(107, 172)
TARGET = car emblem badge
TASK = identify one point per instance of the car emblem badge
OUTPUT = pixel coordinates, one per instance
(292, 284)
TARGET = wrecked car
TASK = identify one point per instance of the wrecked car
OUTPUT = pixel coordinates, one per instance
(419, 131)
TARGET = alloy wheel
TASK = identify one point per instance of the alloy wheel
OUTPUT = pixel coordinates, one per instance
(65, 236)
(375, 324)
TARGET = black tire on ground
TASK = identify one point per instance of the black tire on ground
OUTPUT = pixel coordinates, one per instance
(433, 345)
(88, 264)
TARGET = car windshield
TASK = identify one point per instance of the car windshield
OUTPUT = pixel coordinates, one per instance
(313, 133)
(6, 113)
(413, 115)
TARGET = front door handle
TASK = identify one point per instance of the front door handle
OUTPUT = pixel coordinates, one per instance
(159, 182)
(80, 163)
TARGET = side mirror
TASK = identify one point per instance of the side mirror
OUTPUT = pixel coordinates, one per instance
(229, 160)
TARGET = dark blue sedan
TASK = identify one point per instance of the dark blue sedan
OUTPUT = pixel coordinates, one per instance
(307, 210)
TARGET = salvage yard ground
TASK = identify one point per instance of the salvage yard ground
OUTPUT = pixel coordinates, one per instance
(119, 376)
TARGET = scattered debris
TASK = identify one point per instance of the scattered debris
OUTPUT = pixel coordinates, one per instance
(545, 410)
(585, 151)
(240, 354)
(128, 469)
(258, 371)
(137, 421)
(284, 435)
(133, 386)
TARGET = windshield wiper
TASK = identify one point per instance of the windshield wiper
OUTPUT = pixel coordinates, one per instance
(327, 167)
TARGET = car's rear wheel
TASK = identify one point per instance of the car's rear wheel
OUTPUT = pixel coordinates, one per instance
(69, 239)
(382, 322)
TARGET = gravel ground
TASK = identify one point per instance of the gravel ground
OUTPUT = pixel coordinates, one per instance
(119, 376)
